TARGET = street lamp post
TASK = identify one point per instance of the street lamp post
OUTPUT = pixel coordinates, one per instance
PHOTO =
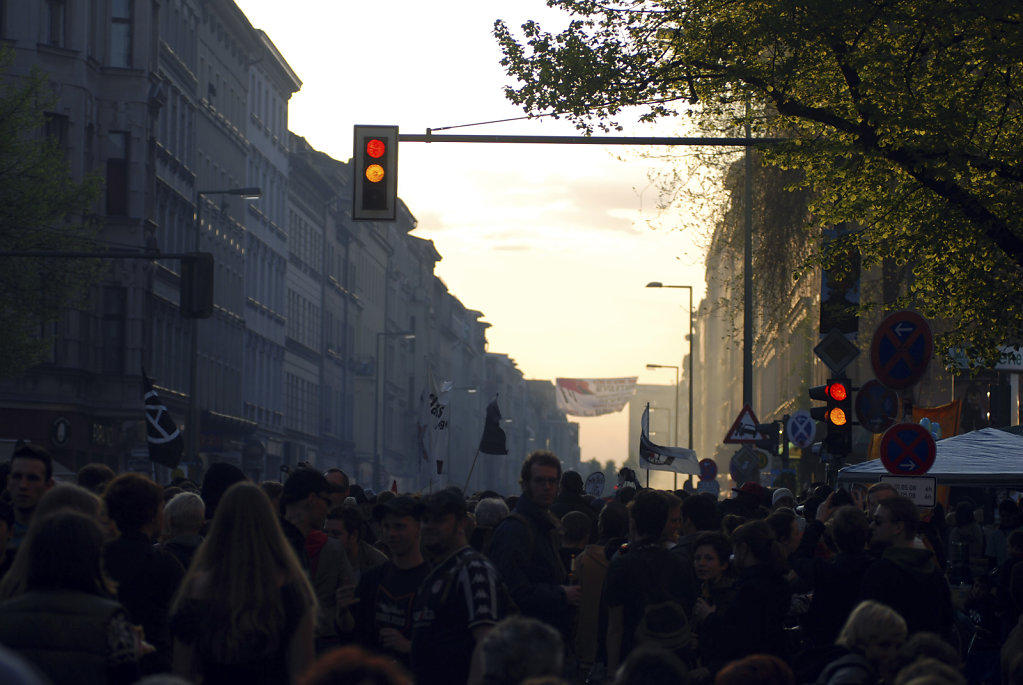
(378, 466)
(192, 432)
(658, 284)
(675, 432)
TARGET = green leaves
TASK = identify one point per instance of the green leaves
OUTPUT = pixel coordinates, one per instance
(41, 208)
(906, 120)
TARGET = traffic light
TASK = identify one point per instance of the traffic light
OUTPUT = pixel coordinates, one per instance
(772, 433)
(999, 408)
(836, 414)
(375, 167)
(195, 291)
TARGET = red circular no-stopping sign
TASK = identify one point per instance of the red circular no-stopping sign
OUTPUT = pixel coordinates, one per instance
(908, 449)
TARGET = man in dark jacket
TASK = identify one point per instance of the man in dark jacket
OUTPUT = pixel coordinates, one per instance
(525, 546)
(835, 581)
(906, 576)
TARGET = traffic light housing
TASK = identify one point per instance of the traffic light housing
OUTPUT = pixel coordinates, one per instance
(375, 169)
(195, 293)
(837, 414)
(772, 433)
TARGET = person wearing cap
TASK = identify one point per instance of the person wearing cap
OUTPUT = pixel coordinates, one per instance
(750, 502)
(304, 502)
(525, 547)
(458, 603)
(381, 617)
(783, 498)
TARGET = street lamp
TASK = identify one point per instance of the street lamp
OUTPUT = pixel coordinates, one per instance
(192, 432)
(377, 461)
(658, 284)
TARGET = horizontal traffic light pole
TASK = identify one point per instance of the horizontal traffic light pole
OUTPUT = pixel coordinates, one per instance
(98, 255)
(429, 137)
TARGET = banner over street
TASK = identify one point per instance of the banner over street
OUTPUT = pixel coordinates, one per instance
(594, 396)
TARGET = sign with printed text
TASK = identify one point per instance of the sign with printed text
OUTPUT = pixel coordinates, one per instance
(920, 489)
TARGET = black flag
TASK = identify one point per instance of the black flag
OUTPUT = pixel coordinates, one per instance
(493, 440)
(162, 434)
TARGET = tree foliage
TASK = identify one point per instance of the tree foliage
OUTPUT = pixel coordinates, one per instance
(904, 120)
(41, 209)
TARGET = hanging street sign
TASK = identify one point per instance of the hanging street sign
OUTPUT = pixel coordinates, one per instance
(708, 469)
(901, 349)
(744, 466)
(802, 429)
(877, 407)
(836, 351)
(744, 429)
(908, 449)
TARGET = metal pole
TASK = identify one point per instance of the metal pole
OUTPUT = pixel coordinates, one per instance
(192, 430)
(675, 474)
(690, 443)
(747, 276)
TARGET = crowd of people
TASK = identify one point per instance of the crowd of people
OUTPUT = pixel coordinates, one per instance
(316, 581)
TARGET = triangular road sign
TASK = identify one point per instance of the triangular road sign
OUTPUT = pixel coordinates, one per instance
(745, 428)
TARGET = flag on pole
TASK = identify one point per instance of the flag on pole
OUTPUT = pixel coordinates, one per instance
(494, 440)
(433, 426)
(659, 458)
(162, 434)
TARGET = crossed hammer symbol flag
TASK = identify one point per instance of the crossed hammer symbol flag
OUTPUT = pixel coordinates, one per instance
(163, 436)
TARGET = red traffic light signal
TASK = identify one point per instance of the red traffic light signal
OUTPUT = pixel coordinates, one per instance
(375, 162)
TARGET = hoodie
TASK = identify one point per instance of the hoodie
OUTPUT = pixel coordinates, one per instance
(910, 581)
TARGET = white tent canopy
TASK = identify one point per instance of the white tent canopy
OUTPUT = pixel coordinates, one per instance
(989, 457)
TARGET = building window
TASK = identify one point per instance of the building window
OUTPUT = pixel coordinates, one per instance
(56, 23)
(115, 312)
(117, 174)
(120, 33)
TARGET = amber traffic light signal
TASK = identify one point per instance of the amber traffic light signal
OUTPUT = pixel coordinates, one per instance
(375, 167)
(836, 414)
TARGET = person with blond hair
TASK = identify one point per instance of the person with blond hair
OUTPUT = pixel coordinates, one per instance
(872, 636)
(246, 612)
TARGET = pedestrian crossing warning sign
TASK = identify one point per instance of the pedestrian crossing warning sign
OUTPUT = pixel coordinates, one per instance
(745, 428)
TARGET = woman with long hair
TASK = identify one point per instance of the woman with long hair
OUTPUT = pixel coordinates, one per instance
(65, 621)
(246, 611)
(60, 497)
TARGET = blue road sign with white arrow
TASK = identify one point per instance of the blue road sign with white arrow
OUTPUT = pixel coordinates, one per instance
(901, 349)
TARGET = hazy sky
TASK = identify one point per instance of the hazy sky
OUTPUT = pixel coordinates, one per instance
(549, 242)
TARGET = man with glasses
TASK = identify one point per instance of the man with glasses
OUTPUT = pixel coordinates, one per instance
(906, 576)
(305, 502)
(525, 547)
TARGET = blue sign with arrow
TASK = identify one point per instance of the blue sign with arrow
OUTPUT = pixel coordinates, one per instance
(908, 449)
(901, 349)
